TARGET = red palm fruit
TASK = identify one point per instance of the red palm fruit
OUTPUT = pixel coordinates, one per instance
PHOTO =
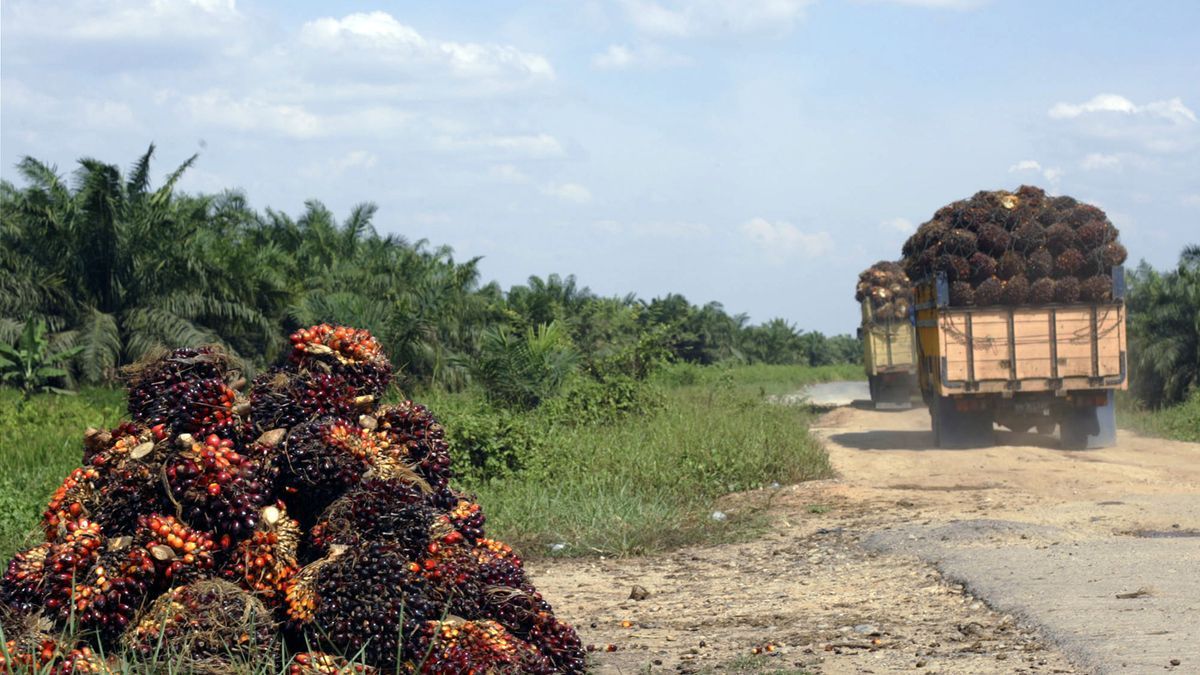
(320, 663)
(1096, 289)
(1010, 265)
(74, 499)
(1068, 263)
(1041, 292)
(988, 292)
(418, 439)
(125, 441)
(23, 585)
(456, 646)
(219, 489)
(350, 352)
(204, 407)
(1114, 254)
(180, 553)
(962, 294)
(113, 590)
(1066, 290)
(265, 562)
(1029, 236)
(1039, 264)
(210, 622)
(391, 510)
(982, 266)
(72, 554)
(467, 518)
(83, 660)
(1060, 237)
(152, 382)
(30, 654)
(1015, 291)
(994, 239)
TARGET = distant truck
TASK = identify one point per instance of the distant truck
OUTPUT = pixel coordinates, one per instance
(889, 357)
(1027, 367)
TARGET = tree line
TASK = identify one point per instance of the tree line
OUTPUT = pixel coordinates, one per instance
(115, 267)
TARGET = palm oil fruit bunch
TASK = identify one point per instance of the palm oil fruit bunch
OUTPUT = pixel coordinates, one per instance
(887, 288)
(227, 525)
(1017, 248)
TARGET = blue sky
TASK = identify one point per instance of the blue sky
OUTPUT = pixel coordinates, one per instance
(759, 153)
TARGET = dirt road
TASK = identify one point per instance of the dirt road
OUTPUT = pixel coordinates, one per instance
(1017, 558)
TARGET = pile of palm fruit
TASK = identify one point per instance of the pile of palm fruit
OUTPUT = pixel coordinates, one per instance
(1017, 248)
(887, 287)
(303, 520)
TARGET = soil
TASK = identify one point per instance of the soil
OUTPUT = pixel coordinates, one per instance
(1016, 558)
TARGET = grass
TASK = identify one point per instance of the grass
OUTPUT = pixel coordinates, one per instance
(1180, 422)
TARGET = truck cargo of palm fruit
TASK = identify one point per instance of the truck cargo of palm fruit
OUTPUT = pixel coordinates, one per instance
(889, 342)
(1020, 318)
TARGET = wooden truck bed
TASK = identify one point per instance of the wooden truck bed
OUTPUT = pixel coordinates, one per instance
(889, 346)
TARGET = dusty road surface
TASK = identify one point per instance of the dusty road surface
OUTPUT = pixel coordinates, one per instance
(1016, 558)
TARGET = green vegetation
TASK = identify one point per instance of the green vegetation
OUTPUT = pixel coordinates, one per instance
(1180, 422)
(32, 365)
(1164, 329)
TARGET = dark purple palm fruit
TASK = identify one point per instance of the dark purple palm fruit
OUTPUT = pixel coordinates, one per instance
(282, 399)
(152, 381)
(69, 558)
(320, 460)
(218, 489)
(1039, 264)
(1041, 292)
(206, 407)
(1015, 291)
(1096, 289)
(1068, 263)
(1113, 254)
(1083, 214)
(416, 438)
(988, 292)
(125, 491)
(1010, 265)
(377, 510)
(962, 294)
(350, 352)
(558, 642)
(1066, 290)
(1029, 236)
(368, 601)
(1092, 235)
(960, 242)
(994, 239)
(114, 589)
(1063, 204)
(1060, 237)
(24, 582)
(956, 267)
(982, 266)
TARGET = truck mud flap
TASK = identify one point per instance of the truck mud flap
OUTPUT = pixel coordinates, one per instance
(953, 428)
(1089, 427)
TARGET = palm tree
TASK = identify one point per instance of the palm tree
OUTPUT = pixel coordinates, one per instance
(1164, 327)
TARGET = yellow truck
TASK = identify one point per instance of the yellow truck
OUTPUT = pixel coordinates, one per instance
(889, 357)
(1030, 367)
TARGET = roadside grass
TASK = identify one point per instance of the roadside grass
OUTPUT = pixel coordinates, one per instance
(1180, 422)
(761, 379)
(40, 443)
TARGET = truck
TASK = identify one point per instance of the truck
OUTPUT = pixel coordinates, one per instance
(1024, 367)
(889, 357)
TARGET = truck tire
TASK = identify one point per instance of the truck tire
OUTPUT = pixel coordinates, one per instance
(1089, 428)
(873, 386)
(953, 428)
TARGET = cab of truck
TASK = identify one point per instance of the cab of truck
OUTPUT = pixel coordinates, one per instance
(889, 357)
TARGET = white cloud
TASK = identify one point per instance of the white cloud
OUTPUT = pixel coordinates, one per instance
(1191, 200)
(217, 107)
(536, 146)
(1172, 110)
(387, 42)
(1051, 174)
(781, 240)
(125, 20)
(664, 229)
(699, 18)
(355, 159)
(568, 192)
(623, 57)
(1095, 161)
(902, 225)
(508, 173)
(1160, 127)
